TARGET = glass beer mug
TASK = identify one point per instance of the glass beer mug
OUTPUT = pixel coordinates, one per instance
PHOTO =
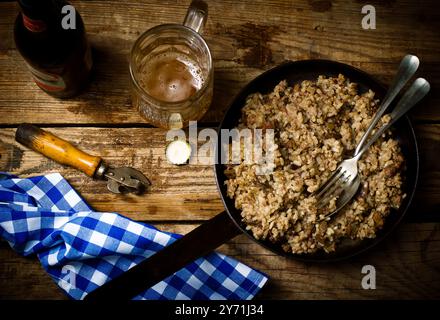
(171, 71)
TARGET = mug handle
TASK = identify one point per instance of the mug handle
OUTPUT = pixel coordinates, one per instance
(196, 16)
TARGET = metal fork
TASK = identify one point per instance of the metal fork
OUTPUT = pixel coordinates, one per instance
(407, 68)
(345, 180)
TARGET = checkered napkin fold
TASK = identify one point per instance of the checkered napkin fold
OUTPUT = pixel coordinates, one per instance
(81, 249)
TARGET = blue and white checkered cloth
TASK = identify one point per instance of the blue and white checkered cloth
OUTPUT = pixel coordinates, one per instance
(81, 249)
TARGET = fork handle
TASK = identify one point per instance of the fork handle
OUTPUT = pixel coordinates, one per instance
(408, 66)
(56, 149)
(415, 93)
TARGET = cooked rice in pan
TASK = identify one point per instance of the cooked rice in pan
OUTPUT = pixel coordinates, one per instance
(316, 123)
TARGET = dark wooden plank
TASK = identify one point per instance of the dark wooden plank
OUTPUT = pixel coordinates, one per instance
(245, 39)
(178, 192)
(428, 190)
(24, 278)
(406, 268)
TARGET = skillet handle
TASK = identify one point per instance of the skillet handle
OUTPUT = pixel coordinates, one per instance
(199, 242)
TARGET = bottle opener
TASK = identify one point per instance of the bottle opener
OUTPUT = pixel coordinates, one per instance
(120, 180)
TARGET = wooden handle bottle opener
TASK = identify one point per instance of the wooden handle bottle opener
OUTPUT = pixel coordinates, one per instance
(120, 180)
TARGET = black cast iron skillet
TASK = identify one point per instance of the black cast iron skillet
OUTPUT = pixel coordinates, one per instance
(228, 224)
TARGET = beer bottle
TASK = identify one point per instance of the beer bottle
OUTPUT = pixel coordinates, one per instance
(56, 50)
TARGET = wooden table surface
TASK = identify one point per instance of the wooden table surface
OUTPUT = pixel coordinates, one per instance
(246, 38)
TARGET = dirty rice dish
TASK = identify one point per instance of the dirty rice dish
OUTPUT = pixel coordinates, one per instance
(316, 123)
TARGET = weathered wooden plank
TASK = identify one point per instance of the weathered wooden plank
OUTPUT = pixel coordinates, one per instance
(406, 268)
(245, 39)
(178, 192)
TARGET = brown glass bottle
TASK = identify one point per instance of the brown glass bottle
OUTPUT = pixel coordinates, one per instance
(59, 59)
